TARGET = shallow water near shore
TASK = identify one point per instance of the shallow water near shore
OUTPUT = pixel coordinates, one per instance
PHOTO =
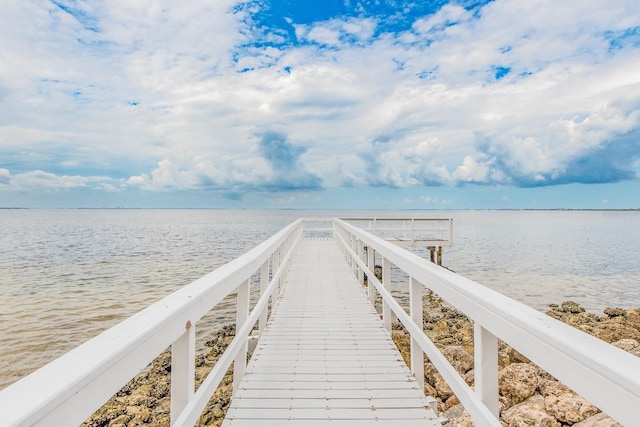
(67, 275)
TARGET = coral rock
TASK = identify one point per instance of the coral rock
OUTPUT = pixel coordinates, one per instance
(600, 420)
(529, 413)
(569, 408)
(518, 382)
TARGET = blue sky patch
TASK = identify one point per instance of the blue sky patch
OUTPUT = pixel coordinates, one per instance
(501, 72)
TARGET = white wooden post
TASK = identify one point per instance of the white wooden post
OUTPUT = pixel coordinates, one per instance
(242, 313)
(386, 282)
(264, 282)
(360, 256)
(352, 246)
(486, 367)
(371, 263)
(183, 353)
(284, 249)
(413, 230)
(415, 311)
(276, 268)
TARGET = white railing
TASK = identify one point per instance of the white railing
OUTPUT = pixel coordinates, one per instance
(430, 231)
(68, 390)
(601, 373)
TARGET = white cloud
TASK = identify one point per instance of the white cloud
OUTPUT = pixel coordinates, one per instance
(337, 31)
(46, 181)
(161, 84)
(471, 171)
(5, 177)
(448, 15)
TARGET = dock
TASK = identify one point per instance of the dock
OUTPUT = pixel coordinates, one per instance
(324, 354)
(325, 357)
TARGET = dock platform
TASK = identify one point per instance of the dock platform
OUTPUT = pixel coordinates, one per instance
(325, 357)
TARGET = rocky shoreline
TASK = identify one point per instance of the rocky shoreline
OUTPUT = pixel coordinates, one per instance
(528, 395)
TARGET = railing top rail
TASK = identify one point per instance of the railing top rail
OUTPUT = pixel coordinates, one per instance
(382, 218)
(125, 349)
(600, 372)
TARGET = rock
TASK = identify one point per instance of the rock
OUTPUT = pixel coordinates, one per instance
(452, 401)
(569, 408)
(600, 420)
(465, 336)
(552, 387)
(614, 312)
(141, 396)
(459, 358)
(629, 345)
(443, 390)
(516, 357)
(529, 413)
(504, 358)
(469, 377)
(458, 417)
(616, 329)
(518, 382)
(121, 420)
(141, 414)
(429, 390)
(442, 328)
(217, 412)
(571, 307)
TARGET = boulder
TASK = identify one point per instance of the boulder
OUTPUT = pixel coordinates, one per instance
(571, 307)
(552, 387)
(443, 390)
(458, 417)
(569, 408)
(614, 312)
(518, 382)
(529, 413)
(600, 420)
(459, 358)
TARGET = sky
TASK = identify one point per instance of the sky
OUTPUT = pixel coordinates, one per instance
(388, 104)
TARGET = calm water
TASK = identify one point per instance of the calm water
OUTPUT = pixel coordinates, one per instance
(67, 275)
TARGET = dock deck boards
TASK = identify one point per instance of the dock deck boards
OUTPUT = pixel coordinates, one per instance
(325, 357)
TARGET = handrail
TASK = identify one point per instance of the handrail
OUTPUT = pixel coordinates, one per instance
(69, 389)
(411, 228)
(603, 374)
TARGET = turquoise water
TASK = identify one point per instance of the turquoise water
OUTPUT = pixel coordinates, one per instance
(67, 275)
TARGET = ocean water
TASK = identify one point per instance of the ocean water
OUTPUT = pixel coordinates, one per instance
(67, 275)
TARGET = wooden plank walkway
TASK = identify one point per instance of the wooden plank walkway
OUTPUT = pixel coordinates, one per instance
(325, 357)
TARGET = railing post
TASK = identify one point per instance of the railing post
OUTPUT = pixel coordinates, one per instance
(486, 367)
(353, 243)
(371, 263)
(264, 282)
(183, 353)
(415, 311)
(360, 256)
(274, 271)
(413, 230)
(284, 249)
(386, 282)
(242, 313)
(276, 267)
